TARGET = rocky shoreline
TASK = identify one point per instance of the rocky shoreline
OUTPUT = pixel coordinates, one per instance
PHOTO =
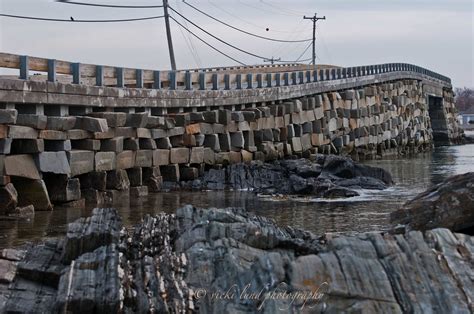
(326, 176)
(227, 260)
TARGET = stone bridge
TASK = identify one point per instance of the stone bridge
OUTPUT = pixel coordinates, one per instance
(71, 131)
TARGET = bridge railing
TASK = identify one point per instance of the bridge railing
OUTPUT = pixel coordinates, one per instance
(226, 78)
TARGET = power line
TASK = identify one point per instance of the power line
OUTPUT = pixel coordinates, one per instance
(110, 5)
(215, 37)
(263, 10)
(189, 39)
(245, 21)
(226, 43)
(71, 20)
(290, 11)
(202, 40)
(243, 31)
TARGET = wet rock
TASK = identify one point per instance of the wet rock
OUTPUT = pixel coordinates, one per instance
(88, 234)
(449, 204)
(173, 263)
(299, 176)
(91, 283)
(33, 192)
(24, 212)
(8, 198)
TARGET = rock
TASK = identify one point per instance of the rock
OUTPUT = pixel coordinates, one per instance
(7, 271)
(60, 123)
(91, 124)
(80, 161)
(8, 198)
(299, 176)
(54, 162)
(8, 116)
(87, 234)
(32, 120)
(91, 283)
(21, 166)
(24, 212)
(449, 204)
(22, 132)
(32, 192)
(170, 263)
(114, 119)
(118, 180)
(105, 161)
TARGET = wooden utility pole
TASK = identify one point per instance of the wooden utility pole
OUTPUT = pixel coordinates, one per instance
(314, 19)
(271, 60)
(168, 35)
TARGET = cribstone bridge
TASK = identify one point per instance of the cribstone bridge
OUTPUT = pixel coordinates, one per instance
(71, 131)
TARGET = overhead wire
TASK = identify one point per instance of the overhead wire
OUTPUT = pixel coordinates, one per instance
(244, 31)
(290, 11)
(217, 38)
(205, 42)
(79, 21)
(241, 19)
(225, 42)
(189, 39)
(263, 10)
(110, 5)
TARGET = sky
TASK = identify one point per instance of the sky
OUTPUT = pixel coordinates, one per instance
(436, 34)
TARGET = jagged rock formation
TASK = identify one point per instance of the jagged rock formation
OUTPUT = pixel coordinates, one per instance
(449, 204)
(180, 263)
(326, 176)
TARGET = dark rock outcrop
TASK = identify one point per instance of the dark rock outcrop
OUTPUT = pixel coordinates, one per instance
(449, 204)
(328, 176)
(227, 261)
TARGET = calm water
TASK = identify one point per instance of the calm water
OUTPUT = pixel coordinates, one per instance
(368, 212)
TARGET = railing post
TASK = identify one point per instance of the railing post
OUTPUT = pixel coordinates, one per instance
(119, 73)
(99, 75)
(238, 81)
(308, 76)
(139, 78)
(321, 75)
(51, 70)
(227, 81)
(333, 74)
(215, 81)
(277, 79)
(339, 74)
(172, 79)
(76, 73)
(249, 80)
(286, 79)
(259, 80)
(269, 80)
(315, 75)
(202, 80)
(301, 77)
(24, 67)
(294, 79)
(344, 72)
(156, 80)
(188, 80)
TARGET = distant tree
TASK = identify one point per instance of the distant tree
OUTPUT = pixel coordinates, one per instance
(464, 99)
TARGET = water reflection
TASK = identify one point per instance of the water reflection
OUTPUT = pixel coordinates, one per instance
(367, 212)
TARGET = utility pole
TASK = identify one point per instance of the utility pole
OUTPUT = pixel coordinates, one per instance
(271, 60)
(314, 19)
(168, 35)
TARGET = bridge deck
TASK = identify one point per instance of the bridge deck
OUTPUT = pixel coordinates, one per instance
(105, 86)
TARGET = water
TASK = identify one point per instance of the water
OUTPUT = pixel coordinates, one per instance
(368, 212)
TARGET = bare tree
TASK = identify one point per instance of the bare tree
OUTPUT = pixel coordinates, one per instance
(465, 100)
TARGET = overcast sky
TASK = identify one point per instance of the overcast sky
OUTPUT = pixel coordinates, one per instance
(437, 34)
